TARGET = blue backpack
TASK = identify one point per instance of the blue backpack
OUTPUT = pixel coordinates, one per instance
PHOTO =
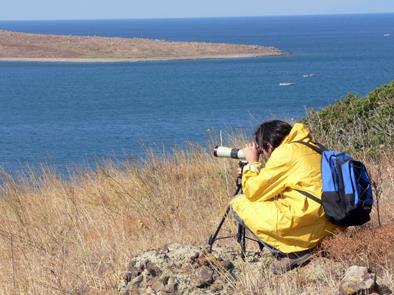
(347, 192)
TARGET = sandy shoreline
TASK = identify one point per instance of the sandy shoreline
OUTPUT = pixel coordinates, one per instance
(127, 60)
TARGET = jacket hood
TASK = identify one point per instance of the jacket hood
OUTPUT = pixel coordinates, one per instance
(298, 133)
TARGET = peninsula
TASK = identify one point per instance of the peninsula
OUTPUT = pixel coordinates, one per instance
(16, 46)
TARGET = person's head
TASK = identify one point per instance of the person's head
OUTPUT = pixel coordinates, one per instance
(270, 135)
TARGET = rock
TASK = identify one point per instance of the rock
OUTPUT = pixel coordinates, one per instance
(136, 281)
(204, 277)
(165, 249)
(186, 268)
(171, 286)
(181, 269)
(122, 287)
(194, 257)
(164, 279)
(227, 265)
(127, 276)
(357, 280)
(383, 290)
(134, 270)
(217, 286)
(132, 290)
(199, 260)
(155, 284)
(253, 258)
(152, 268)
(132, 263)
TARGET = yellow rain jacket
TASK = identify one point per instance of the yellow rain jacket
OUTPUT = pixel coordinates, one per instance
(272, 209)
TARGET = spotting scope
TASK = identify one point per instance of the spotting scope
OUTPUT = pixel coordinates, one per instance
(227, 152)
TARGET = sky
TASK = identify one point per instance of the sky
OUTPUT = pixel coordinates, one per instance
(120, 9)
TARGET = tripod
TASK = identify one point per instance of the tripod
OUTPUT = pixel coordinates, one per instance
(241, 229)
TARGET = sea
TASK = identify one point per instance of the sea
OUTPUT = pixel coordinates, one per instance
(71, 115)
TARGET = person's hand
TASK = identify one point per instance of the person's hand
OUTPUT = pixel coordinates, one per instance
(251, 152)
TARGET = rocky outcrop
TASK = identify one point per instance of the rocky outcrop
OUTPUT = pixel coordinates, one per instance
(357, 280)
(186, 269)
(361, 280)
(177, 269)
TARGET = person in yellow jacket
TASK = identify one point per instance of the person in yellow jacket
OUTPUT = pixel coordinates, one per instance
(273, 205)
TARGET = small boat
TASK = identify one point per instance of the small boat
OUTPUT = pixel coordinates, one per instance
(309, 75)
(387, 35)
(286, 83)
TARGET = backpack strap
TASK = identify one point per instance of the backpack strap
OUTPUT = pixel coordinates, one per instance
(317, 147)
(310, 196)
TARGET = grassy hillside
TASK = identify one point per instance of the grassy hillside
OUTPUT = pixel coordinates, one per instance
(77, 236)
(357, 124)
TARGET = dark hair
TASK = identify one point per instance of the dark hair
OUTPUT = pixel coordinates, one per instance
(272, 132)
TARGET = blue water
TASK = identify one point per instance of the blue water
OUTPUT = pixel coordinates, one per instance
(70, 115)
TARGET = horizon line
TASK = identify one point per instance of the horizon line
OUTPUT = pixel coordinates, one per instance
(196, 17)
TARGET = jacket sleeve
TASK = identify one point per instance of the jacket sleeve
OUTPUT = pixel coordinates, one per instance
(270, 181)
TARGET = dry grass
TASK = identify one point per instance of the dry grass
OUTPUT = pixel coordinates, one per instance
(372, 247)
(59, 236)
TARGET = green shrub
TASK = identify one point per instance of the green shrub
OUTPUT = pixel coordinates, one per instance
(357, 124)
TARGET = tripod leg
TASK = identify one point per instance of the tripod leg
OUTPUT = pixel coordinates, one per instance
(241, 239)
(239, 233)
(243, 243)
(213, 237)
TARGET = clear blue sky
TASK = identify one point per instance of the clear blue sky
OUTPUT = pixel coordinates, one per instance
(113, 9)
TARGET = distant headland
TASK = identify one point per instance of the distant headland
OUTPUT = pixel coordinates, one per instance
(16, 46)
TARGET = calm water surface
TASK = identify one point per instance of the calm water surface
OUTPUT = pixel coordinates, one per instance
(70, 115)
